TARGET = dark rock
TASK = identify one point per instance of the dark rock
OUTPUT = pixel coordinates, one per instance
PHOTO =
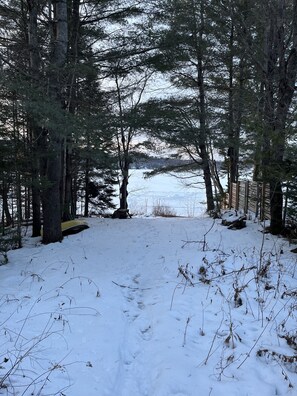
(121, 214)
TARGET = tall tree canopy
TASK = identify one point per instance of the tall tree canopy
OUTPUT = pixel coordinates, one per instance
(74, 78)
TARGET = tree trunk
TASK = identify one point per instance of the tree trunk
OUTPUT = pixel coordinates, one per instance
(35, 182)
(19, 209)
(7, 219)
(276, 207)
(66, 182)
(232, 151)
(87, 180)
(237, 110)
(68, 214)
(283, 68)
(202, 116)
(207, 179)
(236, 92)
(67, 193)
(123, 212)
(124, 191)
(74, 195)
(36, 206)
(34, 68)
(51, 197)
(123, 154)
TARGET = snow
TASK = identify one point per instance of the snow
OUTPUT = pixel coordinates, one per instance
(147, 307)
(168, 191)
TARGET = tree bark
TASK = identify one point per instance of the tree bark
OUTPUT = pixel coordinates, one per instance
(235, 108)
(36, 132)
(67, 173)
(7, 219)
(284, 67)
(202, 116)
(207, 178)
(232, 152)
(52, 195)
(124, 187)
(123, 142)
(87, 197)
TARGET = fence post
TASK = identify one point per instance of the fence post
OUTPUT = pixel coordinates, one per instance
(250, 196)
(237, 195)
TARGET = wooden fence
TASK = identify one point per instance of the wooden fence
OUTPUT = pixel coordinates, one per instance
(251, 196)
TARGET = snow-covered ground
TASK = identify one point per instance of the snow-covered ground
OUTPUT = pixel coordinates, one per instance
(168, 191)
(150, 307)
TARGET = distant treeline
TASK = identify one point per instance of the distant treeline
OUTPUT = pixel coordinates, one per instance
(156, 163)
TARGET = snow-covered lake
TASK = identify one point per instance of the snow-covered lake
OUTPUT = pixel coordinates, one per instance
(165, 190)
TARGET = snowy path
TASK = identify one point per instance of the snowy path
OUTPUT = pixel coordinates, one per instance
(108, 315)
(142, 287)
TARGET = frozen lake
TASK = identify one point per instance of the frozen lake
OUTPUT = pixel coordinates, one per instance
(164, 190)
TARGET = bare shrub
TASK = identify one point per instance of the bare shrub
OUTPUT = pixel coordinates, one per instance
(161, 210)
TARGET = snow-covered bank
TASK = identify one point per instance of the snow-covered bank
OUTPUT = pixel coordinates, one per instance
(167, 190)
(150, 307)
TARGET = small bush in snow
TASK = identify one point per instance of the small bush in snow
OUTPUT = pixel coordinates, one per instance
(160, 210)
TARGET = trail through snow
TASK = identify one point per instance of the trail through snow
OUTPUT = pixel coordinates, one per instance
(110, 312)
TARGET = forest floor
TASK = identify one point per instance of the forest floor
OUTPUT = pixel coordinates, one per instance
(150, 307)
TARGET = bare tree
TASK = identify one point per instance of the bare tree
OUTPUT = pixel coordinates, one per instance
(129, 93)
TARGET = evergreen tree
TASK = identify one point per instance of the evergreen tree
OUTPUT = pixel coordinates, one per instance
(186, 49)
(55, 76)
(271, 44)
(229, 77)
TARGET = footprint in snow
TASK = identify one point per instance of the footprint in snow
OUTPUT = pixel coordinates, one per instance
(133, 296)
(146, 333)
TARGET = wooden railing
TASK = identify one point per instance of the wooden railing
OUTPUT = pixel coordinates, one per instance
(251, 196)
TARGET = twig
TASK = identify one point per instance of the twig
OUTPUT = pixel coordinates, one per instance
(93, 312)
(130, 287)
(186, 242)
(185, 275)
(260, 335)
(227, 274)
(204, 236)
(173, 294)
(46, 376)
(212, 343)
(185, 333)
